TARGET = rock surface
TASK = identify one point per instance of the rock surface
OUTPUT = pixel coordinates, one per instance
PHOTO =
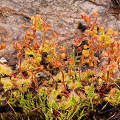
(62, 15)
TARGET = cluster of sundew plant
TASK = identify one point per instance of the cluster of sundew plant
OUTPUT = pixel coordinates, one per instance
(99, 40)
(33, 65)
(29, 46)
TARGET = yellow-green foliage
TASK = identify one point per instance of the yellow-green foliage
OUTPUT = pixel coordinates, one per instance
(29, 52)
(55, 92)
(2, 98)
(74, 85)
(67, 102)
(67, 78)
(53, 95)
(86, 88)
(26, 66)
(42, 90)
(7, 84)
(87, 74)
(5, 70)
(16, 93)
(23, 84)
(113, 97)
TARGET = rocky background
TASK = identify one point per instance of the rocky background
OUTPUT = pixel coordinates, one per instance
(62, 15)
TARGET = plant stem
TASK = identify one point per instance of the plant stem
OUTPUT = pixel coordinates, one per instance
(11, 106)
(20, 64)
(63, 80)
(107, 73)
(34, 80)
(49, 74)
(95, 65)
(44, 38)
(36, 109)
(80, 70)
(70, 71)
